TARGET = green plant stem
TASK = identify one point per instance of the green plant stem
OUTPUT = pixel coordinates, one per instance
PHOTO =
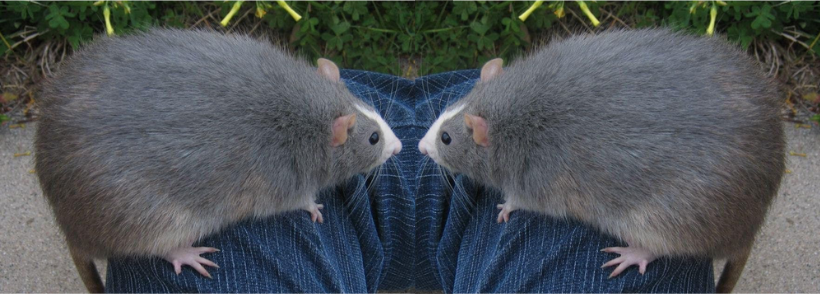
(290, 11)
(814, 42)
(429, 42)
(379, 14)
(589, 14)
(376, 29)
(441, 14)
(5, 42)
(231, 13)
(529, 11)
(107, 15)
(391, 42)
(442, 29)
(712, 17)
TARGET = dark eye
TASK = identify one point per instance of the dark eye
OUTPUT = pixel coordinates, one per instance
(445, 138)
(374, 138)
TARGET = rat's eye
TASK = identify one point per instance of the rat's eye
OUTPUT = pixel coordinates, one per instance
(374, 138)
(445, 138)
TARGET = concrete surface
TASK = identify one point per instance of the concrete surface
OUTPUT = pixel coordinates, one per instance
(33, 257)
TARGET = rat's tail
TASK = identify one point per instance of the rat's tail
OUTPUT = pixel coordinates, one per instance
(732, 270)
(88, 271)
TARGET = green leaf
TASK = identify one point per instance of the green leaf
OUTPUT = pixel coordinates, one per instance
(763, 16)
(492, 37)
(479, 27)
(741, 33)
(355, 8)
(327, 36)
(464, 9)
(4, 118)
(795, 8)
(78, 33)
(26, 9)
(340, 27)
(56, 16)
(54, 12)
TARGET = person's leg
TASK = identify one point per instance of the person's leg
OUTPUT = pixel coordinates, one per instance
(535, 253)
(392, 206)
(433, 94)
(470, 252)
(287, 253)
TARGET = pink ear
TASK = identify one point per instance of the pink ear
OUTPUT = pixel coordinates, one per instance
(328, 70)
(491, 69)
(340, 126)
(479, 127)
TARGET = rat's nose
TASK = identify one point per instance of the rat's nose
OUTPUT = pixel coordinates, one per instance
(422, 148)
(397, 149)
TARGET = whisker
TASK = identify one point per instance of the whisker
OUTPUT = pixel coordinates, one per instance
(369, 181)
(445, 177)
(393, 91)
(372, 177)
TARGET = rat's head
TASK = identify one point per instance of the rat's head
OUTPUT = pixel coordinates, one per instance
(458, 139)
(360, 137)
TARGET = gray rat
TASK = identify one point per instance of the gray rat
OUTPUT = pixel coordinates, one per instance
(667, 141)
(152, 141)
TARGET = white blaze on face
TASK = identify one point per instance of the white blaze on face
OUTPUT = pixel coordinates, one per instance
(427, 145)
(392, 144)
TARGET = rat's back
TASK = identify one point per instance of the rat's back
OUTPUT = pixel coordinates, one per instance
(644, 131)
(142, 134)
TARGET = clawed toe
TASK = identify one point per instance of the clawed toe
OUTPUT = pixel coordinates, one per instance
(504, 214)
(190, 256)
(315, 214)
(629, 256)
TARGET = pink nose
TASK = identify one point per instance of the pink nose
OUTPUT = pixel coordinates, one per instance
(423, 149)
(397, 149)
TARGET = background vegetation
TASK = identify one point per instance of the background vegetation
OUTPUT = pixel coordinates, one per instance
(411, 38)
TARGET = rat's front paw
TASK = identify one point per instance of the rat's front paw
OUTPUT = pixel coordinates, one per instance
(315, 214)
(190, 256)
(506, 208)
(629, 256)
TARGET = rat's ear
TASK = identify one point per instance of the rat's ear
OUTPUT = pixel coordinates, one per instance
(491, 69)
(340, 126)
(479, 127)
(328, 70)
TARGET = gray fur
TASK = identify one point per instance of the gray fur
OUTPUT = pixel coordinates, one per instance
(151, 141)
(667, 140)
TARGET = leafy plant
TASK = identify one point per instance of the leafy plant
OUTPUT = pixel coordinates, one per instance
(76, 22)
(428, 37)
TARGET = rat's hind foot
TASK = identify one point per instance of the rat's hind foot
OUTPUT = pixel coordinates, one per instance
(190, 256)
(629, 256)
(506, 208)
(315, 214)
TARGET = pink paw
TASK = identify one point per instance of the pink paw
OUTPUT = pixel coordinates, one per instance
(315, 214)
(506, 208)
(190, 256)
(629, 256)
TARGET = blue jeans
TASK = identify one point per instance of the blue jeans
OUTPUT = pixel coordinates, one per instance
(410, 227)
